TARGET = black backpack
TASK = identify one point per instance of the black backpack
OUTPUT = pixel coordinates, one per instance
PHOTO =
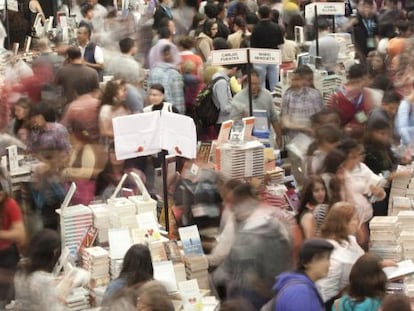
(206, 113)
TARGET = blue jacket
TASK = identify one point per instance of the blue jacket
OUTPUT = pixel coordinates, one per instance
(295, 291)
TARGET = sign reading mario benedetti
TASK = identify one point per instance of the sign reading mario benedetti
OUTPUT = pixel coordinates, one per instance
(265, 56)
(229, 57)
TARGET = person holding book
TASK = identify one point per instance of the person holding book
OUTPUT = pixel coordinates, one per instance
(361, 186)
(381, 159)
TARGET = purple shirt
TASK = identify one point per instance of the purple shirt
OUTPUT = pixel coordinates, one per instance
(54, 137)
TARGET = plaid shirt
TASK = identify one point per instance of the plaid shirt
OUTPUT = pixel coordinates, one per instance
(300, 105)
(173, 82)
(54, 137)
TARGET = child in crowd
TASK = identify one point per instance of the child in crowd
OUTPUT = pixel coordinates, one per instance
(367, 286)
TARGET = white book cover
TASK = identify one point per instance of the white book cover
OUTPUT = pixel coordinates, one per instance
(403, 268)
(119, 242)
(164, 272)
(146, 221)
(190, 295)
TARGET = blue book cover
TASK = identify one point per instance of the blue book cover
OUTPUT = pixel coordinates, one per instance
(190, 238)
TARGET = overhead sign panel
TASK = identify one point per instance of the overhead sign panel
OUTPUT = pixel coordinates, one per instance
(229, 57)
(265, 56)
(325, 8)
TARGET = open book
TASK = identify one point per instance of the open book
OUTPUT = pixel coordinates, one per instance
(403, 268)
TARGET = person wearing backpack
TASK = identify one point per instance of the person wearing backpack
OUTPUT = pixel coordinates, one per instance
(297, 290)
(222, 95)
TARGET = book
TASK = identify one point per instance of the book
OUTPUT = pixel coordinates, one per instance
(147, 221)
(119, 242)
(164, 272)
(403, 268)
(190, 295)
(190, 238)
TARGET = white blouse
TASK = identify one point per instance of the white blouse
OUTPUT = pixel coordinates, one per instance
(343, 257)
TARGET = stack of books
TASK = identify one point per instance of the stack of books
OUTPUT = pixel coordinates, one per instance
(240, 161)
(384, 237)
(399, 204)
(169, 251)
(196, 267)
(144, 204)
(119, 243)
(405, 222)
(96, 261)
(329, 85)
(122, 213)
(78, 299)
(74, 223)
(98, 294)
(407, 244)
(400, 185)
(101, 222)
(196, 263)
(115, 267)
(277, 175)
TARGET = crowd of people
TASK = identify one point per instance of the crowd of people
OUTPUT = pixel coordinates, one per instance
(59, 107)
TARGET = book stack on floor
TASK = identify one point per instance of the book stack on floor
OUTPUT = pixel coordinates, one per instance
(122, 213)
(74, 223)
(406, 222)
(96, 261)
(384, 237)
(78, 299)
(101, 215)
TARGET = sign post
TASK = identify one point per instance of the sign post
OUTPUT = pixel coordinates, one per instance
(323, 8)
(247, 56)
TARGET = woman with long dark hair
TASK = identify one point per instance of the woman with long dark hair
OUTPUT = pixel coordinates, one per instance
(311, 213)
(136, 270)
